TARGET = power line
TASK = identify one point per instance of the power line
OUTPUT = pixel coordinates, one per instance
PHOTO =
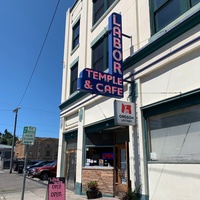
(30, 108)
(39, 53)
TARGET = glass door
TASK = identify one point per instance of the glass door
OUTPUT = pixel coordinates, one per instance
(121, 169)
(71, 170)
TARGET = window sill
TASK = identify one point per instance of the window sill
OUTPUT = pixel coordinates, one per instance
(75, 48)
(97, 167)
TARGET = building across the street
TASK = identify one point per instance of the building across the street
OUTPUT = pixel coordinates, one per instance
(130, 107)
(5, 154)
(43, 149)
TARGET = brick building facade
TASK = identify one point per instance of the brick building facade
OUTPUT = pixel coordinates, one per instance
(43, 149)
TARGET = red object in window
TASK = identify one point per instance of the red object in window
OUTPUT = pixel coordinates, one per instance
(107, 156)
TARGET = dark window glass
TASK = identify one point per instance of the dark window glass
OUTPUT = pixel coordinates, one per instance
(99, 156)
(75, 39)
(100, 55)
(47, 153)
(74, 76)
(99, 8)
(110, 2)
(100, 138)
(166, 11)
(159, 3)
(194, 2)
(162, 16)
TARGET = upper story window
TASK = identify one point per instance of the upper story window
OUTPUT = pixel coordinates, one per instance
(74, 77)
(100, 54)
(47, 153)
(75, 37)
(166, 11)
(99, 8)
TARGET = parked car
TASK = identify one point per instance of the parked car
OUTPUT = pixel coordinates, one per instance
(44, 172)
(38, 164)
(20, 162)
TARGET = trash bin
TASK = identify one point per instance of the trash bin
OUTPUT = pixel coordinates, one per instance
(20, 169)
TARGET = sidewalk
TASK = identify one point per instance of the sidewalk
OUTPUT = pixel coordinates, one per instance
(40, 194)
(31, 193)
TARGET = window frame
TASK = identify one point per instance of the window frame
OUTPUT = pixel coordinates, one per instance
(105, 4)
(96, 147)
(104, 41)
(73, 81)
(173, 104)
(75, 37)
(185, 6)
(171, 133)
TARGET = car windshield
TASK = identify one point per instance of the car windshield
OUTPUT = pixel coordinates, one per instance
(52, 164)
(38, 163)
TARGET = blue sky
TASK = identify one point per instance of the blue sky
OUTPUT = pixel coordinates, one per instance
(23, 28)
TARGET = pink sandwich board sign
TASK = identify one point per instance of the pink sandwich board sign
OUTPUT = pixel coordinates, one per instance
(56, 188)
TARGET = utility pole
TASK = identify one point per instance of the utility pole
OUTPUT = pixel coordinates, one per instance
(13, 141)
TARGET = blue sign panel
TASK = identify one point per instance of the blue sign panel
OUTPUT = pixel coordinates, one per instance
(107, 84)
(115, 45)
(100, 83)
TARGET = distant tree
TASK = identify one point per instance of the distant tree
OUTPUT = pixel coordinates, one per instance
(7, 134)
(6, 138)
(3, 140)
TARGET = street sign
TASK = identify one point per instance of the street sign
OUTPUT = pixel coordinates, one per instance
(28, 135)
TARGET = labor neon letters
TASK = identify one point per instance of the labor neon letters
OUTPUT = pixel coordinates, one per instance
(107, 84)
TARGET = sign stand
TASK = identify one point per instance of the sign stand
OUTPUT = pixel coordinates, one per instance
(27, 139)
(24, 177)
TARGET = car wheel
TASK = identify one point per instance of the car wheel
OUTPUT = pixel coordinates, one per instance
(44, 176)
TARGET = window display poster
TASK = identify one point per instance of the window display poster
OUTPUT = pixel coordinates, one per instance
(56, 188)
(100, 162)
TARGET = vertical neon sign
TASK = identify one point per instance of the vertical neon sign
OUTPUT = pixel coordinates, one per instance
(107, 84)
(115, 45)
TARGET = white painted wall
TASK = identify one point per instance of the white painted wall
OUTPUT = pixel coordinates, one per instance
(175, 77)
(174, 181)
(175, 74)
(132, 25)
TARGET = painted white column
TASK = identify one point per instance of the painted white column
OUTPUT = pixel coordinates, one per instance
(134, 156)
(61, 151)
(80, 150)
(131, 147)
(142, 146)
(131, 158)
(66, 58)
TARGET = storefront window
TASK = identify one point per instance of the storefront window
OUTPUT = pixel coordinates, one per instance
(175, 136)
(99, 156)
